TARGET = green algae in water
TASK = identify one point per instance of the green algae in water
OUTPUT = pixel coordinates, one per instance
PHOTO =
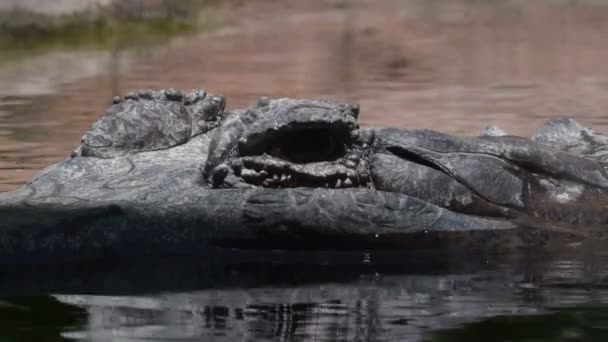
(580, 323)
(38, 33)
(38, 318)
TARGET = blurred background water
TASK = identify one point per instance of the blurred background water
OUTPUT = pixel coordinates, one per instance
(455, 66)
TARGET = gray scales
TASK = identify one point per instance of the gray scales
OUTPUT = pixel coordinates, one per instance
(168, 172)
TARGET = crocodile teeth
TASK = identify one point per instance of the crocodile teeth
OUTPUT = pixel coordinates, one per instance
(250, 175)
(355, 158)
(338, 183)
(237, 167)
(219, 174)
(351, 164)
(347, 182)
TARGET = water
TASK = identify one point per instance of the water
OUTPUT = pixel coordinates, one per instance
(391, 298)
(452, 66)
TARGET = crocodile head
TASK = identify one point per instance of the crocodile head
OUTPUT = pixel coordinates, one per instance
(287, 143)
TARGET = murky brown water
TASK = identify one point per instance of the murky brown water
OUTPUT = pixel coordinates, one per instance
(453, 66)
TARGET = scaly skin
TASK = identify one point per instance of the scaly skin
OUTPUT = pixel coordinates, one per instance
(163, 172)
(150, 121)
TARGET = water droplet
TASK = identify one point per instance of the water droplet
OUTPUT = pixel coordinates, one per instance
(366, 258)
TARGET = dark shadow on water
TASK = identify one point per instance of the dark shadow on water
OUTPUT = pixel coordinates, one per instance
(311, 296)
(227, 271)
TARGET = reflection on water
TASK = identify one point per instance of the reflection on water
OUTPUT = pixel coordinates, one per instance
(455, 67)
(411, 299)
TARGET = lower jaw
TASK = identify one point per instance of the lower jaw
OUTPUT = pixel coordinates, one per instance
(302, 183)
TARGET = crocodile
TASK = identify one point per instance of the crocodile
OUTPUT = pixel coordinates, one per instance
(168, 172)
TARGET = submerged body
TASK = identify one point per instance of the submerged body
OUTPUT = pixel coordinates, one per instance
(164, 172)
